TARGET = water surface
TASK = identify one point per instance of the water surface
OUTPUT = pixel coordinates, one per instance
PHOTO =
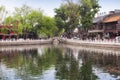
(58, 63)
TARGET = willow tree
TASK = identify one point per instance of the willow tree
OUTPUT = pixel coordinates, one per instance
(35, 20)
(8, 21)
(22, 13)
(48, 27)
(3, 13)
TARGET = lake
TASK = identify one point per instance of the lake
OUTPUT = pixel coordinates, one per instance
(62, 62)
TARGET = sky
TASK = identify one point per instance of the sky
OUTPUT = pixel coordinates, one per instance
(48, 5)
(109, 5)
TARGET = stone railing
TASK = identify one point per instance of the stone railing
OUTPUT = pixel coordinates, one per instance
(24, 42)
(113, 42)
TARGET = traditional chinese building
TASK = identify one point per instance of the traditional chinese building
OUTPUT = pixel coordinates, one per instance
(107, 26)
(8, 32)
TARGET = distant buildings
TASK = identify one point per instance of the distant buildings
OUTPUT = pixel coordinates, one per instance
(8, 32)
(106, 26)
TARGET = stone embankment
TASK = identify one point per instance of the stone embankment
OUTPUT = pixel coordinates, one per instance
(24, 42)
(89, 43)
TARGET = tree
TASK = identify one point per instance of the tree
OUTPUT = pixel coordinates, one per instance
(35, 20)
(8, 20)
(23, 21)
(72, 14)
(48, 27)
(61, 17)
(19, 25)
(3, 13)
(88, 9)
(68, 15)
(60, 25)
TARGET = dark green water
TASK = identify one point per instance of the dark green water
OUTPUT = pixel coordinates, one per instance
(58, 63)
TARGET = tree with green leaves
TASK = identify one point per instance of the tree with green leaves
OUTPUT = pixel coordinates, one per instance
(3, 13)
(60, 18)
(34, 23)
(22, 13)
(67, 16)
(35, 20)
(88, 9)
(71, 14)
(48, 27)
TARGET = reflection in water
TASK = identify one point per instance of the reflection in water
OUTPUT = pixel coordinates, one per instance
(69, 68)
(22, 62)
(58, 63)
(110, 62)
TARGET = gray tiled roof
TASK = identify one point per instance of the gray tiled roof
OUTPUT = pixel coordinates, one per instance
(99, 19)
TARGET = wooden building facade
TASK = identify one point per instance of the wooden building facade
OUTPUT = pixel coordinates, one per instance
(107, 26)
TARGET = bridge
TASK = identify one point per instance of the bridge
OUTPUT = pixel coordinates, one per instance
(57, 40)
